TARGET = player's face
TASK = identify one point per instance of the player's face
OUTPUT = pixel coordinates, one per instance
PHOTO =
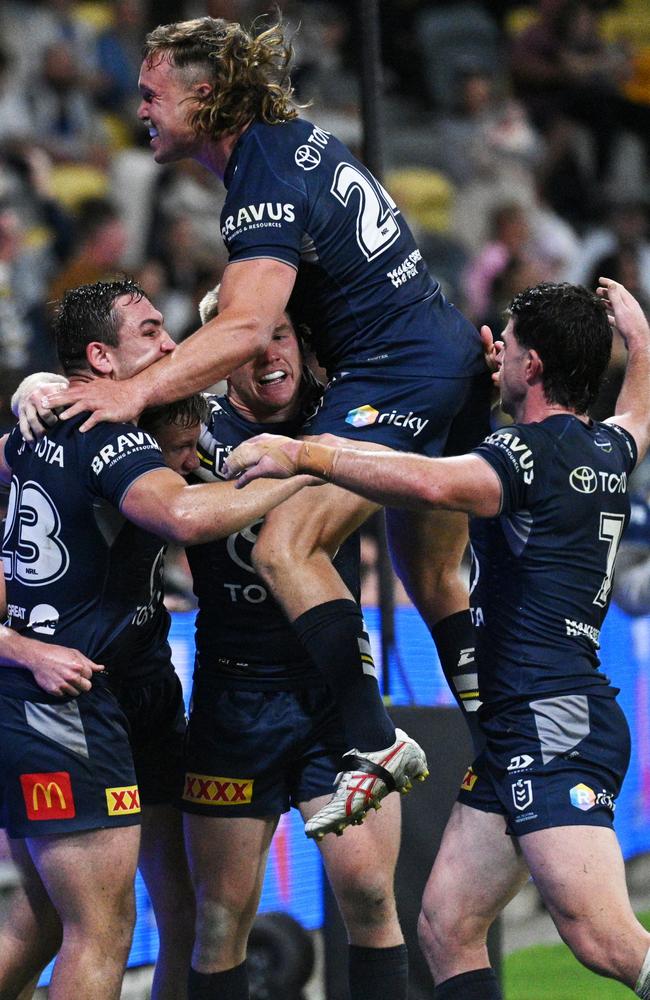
(178, 446)
(511, 380)
(163, 108)
(266, 389)
(142, 337)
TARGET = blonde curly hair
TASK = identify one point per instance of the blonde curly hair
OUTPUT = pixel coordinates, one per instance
(248, 72)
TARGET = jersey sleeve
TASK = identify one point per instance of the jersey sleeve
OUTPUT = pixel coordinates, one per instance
(626, 444)
(12, 444)
(118, 455)
(263, 216)
(509, 452)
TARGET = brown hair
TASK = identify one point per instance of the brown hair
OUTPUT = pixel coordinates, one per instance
(249, 73)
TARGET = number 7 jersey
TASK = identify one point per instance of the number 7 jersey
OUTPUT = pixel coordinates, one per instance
(298, 195)
(542, 571)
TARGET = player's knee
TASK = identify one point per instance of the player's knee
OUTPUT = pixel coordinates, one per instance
(368, 905)
(443, 931)
(217, 927)
(605, 951)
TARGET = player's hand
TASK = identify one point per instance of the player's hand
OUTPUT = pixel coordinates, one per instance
(62, 671)
(27, 403)
(267, 456)
(107, 399)
(492, 350)
(624, 312)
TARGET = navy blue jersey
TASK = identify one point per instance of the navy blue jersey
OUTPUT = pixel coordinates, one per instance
(78, 573)
(542, 570)
(241, 632)
(296, 194)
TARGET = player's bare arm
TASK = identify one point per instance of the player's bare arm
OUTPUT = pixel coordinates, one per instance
(57, 669)
(465, 483)
(253, 296)
(163, 503)
(632, 408)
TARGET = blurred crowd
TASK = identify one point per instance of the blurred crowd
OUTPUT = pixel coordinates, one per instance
(516, 139)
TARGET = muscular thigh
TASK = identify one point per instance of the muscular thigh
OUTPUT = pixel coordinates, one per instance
(227, 857)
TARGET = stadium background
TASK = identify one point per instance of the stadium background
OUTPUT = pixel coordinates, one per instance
(505, 181)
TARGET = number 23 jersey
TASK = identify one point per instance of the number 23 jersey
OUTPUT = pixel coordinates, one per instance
(77, 572)
(542, 570)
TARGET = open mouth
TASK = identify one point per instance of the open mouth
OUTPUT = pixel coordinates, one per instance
(273, 378)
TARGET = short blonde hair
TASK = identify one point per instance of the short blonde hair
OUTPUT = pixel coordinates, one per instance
(249, 72)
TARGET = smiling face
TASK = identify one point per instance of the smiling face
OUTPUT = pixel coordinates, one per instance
(266, 389)
(166, 99)
(142, 338)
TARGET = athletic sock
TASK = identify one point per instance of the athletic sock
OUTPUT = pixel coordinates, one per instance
(481, 984)
(378, 973)
(229, 985)
(642, 988)
(454, 639)
(336, 639)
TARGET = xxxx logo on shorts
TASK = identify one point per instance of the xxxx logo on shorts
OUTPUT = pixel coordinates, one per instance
(48, 795)
(469, 780)
(122, 800)
(209, 790)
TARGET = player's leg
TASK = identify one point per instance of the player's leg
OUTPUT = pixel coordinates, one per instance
(361, 871)
(477, 871)
(227, 859)
(163, 865)
(89, 877)
(293, 554)
(427, 549)
(580, 874)
(30, 935)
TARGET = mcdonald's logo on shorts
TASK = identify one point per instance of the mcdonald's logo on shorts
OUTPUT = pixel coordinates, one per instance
(209, 790)
(123, 800)
(469, 780)
(48, 795)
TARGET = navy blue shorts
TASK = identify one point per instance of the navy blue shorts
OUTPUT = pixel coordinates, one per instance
(65, 765)
(431, 416)
(156, 716)
(254, 753)
(557, 761)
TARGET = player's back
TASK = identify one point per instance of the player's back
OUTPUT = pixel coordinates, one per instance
(76, 571)
(543, 570)
(297, 194)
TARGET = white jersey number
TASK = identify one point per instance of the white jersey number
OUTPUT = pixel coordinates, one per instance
(611, 530)
(377, 227)
(37, 555)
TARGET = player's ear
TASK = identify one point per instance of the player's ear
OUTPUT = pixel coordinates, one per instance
(535, 365)
(98, 357)
(203, 90)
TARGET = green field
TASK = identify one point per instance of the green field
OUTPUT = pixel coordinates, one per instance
(550, 972)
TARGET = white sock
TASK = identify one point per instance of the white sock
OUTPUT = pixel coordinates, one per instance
(642, 988)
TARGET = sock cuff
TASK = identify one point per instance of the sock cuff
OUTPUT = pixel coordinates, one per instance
(452, 626)
(329, 611)
(394, 953)
(642, 988)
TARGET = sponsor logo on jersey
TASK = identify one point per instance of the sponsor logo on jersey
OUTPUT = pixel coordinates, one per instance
(364, 416)
(43, 619)
(583, 628)
(266, 213)
(125, 444)
(49, 451)
(211, 790)
(520, 762)
(122, 800)
(407, 269)
(470, 779)
(48, 795)
(517, 451)
(15, 611)
(585, 480)
(522, 794)
(307, 157)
